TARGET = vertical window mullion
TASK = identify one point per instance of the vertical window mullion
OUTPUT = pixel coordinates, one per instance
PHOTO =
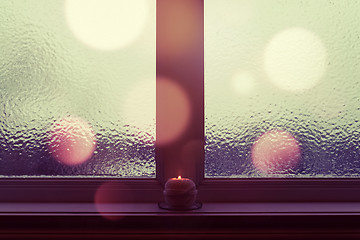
(180, 64)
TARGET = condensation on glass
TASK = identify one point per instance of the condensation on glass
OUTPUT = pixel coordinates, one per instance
(282, 87)
(77, 88)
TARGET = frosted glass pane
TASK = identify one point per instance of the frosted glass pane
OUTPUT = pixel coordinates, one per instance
(77, 88)
(282, 88)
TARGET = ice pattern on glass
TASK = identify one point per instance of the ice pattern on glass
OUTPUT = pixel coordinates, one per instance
(282, 66)
(47, 75)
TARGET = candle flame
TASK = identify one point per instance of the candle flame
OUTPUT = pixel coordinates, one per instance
(179, 177)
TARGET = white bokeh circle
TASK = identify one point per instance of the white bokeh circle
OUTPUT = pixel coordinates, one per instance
(106, 24)
(295, 59)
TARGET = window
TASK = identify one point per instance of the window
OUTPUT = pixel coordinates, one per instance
(281, 89)
(78, 85)
(280, 102)
(180, 115)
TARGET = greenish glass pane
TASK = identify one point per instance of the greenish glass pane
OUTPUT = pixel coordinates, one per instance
(282, 88)
(77, 88)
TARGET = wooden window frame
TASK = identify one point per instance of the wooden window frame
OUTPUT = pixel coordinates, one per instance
(188, 71)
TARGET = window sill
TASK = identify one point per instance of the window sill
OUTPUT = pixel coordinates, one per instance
(212, 221)
(208, 209)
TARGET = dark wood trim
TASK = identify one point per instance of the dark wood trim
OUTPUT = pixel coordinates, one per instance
(177, 227)
(79, 190)
(210, 190)
(280, 190)
(180, 58)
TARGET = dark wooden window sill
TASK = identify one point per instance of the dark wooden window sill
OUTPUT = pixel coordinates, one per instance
(213, 221)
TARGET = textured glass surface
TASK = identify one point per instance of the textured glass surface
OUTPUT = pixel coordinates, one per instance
(282, 86)
(77, 88)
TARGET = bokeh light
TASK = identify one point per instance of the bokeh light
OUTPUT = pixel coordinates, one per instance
(275, 152)
(107, 198)
(173, 111)
(139, 109)
(179, 24)
(71, 141)
(106, 24)
(243, 83)
(295, 59)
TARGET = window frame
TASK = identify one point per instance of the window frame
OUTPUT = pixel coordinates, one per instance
(187, 71)
(230, 189)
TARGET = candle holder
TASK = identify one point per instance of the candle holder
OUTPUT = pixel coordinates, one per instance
(180, 194)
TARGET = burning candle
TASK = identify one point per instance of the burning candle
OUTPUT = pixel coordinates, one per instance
(180, 192)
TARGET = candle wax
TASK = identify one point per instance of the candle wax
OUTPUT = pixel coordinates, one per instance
(180, 184)
(180, 192)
